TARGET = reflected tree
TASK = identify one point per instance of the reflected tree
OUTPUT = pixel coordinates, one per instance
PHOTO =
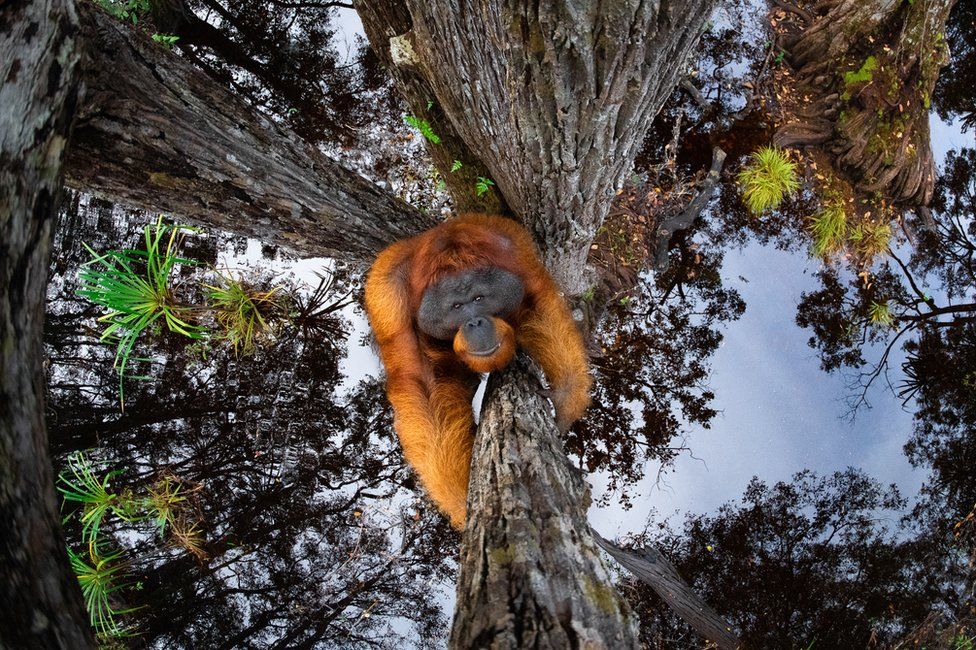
(299, 540)
(816, 561)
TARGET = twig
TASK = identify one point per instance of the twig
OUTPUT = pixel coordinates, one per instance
(684, 219)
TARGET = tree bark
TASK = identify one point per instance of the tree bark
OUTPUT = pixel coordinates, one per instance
(555, 99)
(531, 575)
(160, 135)
(877, 128)
(383, 20)
(39, 595)
(652, 567)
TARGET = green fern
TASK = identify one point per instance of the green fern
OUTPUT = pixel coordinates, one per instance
(483, 185)
(424, 127)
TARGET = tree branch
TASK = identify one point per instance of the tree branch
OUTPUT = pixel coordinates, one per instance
(686, 217)
(653, 568)
(158, 134)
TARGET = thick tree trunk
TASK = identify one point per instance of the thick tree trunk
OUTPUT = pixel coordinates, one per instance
(531, 574)
(871, 67)
(554, 98)
(39, 596)
(158, 134)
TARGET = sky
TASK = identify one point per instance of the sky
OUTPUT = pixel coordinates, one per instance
(779, 412)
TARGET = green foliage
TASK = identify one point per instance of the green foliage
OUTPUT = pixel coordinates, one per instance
(880, 314)
(963, 642)
(424, 127)
(100, 577)
(239, 310)
(455, 166)
(767, 179)
(166, 40)
(126, 9)
(864, 74)
(163, 501)
(80, 484)
(134, 285)
(483, 185)
(829, 227)
(871, 238)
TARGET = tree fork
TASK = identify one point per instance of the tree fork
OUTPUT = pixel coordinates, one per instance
(556, 99)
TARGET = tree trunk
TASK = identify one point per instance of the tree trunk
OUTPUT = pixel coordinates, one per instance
(555, 102)
(158, 134)
(531, 574)
(555, 99)
(871, 67)
(39, 595)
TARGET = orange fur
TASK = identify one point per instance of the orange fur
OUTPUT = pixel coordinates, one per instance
(429, 383)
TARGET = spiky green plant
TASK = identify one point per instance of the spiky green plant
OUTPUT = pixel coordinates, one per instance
(871, 238)
(188, 536)
(768, 178)
(80, 484)
(165, 498)
(100, 576)
(829, 227)
(134, 285)
(880, 314)
(240, 311)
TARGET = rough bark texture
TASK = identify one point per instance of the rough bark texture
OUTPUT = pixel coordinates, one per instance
(876, 128)
(555, 98)
(650, 565)
(158, 134)
(531, 575)
(39, 596)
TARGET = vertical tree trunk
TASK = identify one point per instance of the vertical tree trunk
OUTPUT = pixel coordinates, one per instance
(870, 67)
(531, 574)
(39, 595)
(554, 98)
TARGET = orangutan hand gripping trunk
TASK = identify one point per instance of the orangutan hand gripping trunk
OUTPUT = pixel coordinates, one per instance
(454, 302)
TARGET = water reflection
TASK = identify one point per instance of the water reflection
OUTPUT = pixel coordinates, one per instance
(310, 530)
(306, 533)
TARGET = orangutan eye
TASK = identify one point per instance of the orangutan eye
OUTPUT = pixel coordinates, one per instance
(456, 305)
(479, 298)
